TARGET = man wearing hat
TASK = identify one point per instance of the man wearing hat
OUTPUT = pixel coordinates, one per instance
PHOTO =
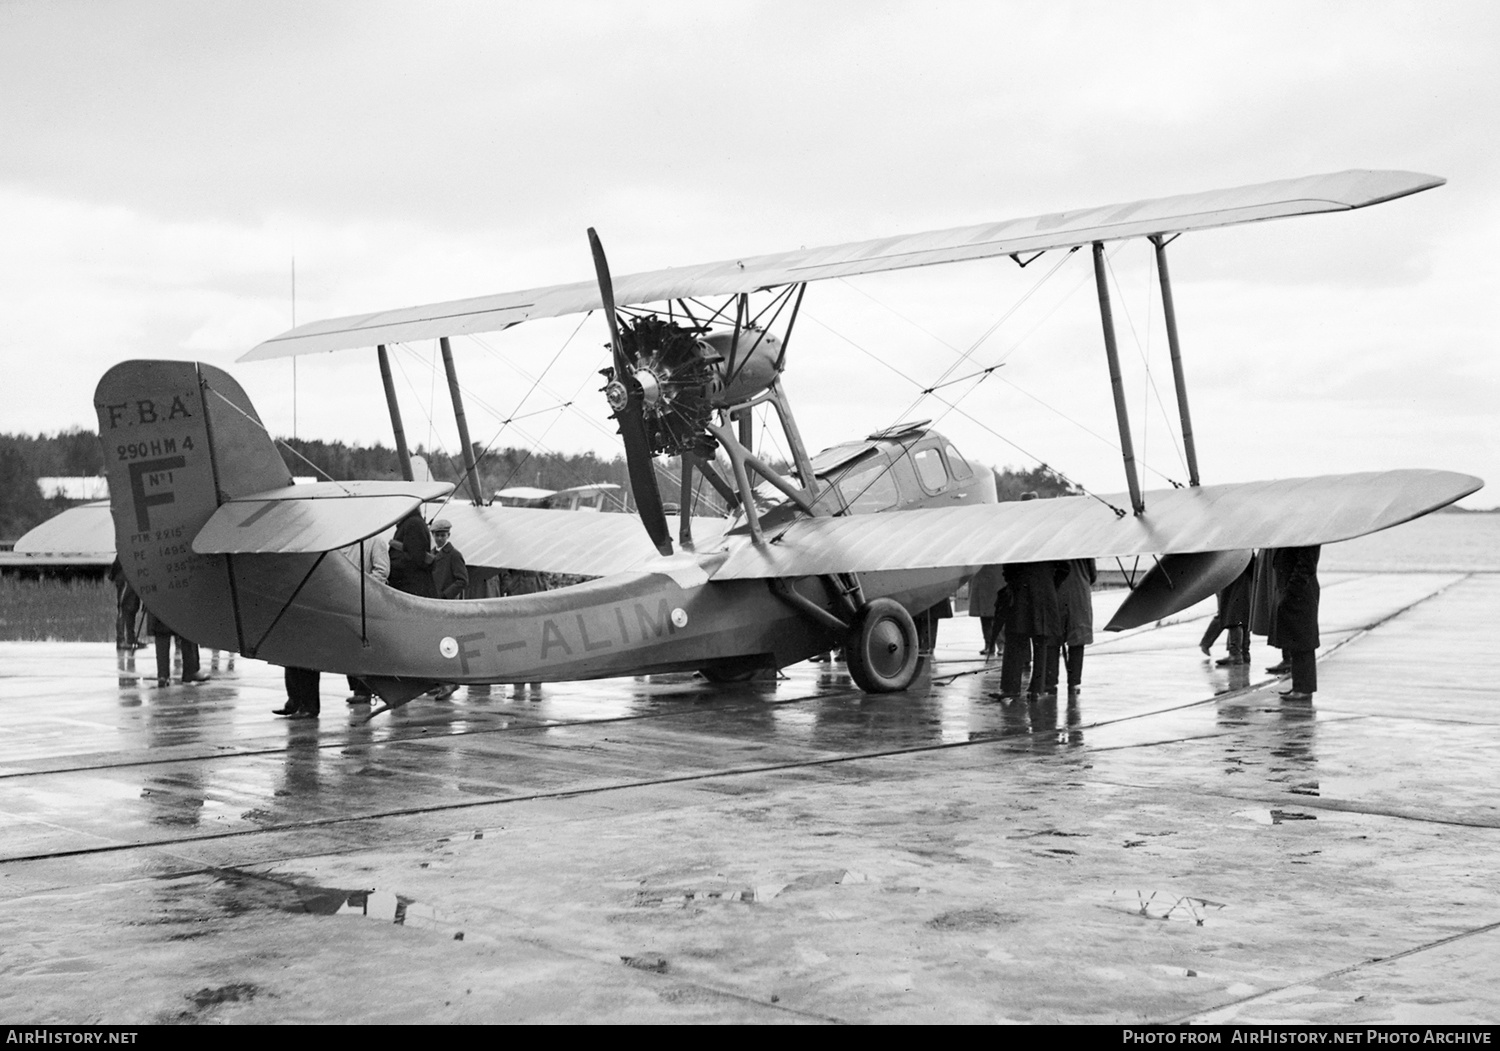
(450, 574)
(450, 577)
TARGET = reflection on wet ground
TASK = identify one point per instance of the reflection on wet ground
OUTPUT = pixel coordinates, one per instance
(817, 831)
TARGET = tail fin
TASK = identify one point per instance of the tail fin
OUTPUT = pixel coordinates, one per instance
(179, 439)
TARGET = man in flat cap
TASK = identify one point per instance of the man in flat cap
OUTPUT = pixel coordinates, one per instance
(450, 574)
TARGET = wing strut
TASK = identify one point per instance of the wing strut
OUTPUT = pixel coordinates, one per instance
(390, 401)
(1169, 311)
(471, 469)
(1122, 416)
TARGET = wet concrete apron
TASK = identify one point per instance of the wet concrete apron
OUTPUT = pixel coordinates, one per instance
(1179, 844)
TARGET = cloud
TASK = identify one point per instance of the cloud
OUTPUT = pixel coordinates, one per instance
(166, 161)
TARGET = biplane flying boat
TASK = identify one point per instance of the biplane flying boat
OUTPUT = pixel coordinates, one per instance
(222, 546)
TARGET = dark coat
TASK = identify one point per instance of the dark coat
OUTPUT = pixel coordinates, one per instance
(1262, 593)
(1029, 602)
(450, 574)
(1076, 594)
(983, 588)
(1297, 591)
(411, 558)
(1234, 600)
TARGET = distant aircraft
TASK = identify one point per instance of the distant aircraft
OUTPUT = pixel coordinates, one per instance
(221, 545)
(590, 497)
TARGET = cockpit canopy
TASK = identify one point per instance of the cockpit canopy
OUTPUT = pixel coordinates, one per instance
(903, 468)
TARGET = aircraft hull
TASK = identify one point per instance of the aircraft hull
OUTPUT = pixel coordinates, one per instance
(631, 623)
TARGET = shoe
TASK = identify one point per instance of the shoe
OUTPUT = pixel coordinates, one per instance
(1227, 662)
(163, 682)
(1295, 695)
(358, 698)
(445, 692)
(287, 709)
(202, 676)
(302, 714)
(1074, 691)
(1280, 669)
(1207, 652)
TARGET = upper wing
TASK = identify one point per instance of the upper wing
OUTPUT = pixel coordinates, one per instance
(1294, 512)
(1339, 191)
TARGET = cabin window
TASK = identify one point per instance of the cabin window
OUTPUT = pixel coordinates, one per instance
(866, 487)
(929, 464)
(958, 465)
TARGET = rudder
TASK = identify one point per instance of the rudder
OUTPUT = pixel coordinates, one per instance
(179, 438)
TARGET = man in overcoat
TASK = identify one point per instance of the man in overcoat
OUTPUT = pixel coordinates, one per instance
(1075, 595)
(450, 574)
(1234, 614)
(1296, 625)
(1263, 592)
(1033, 621)
(984, 587)
(412, 557)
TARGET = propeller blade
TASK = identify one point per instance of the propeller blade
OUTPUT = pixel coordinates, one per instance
(632, 420)
(643, 476)
(607, 295)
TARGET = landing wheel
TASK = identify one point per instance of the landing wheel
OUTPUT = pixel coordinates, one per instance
(882, 647)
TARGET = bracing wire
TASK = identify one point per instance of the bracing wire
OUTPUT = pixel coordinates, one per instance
(1151, 388)
(279, 442)
(953, 407)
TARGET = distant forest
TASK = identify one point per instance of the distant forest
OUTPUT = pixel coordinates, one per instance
(24, 459)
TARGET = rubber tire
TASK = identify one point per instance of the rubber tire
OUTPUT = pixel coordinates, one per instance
(881, 651)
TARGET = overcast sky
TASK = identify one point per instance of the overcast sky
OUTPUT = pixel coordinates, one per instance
(161, 164)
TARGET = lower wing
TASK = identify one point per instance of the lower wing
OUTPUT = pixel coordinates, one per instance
(1294, 512)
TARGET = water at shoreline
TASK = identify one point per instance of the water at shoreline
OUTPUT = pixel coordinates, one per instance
(1439, 543)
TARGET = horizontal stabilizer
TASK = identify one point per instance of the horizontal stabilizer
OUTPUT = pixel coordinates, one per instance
(304, 519)
(1335, 192)
(1292, 512)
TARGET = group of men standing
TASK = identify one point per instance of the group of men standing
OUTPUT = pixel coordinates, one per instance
(416, 560)
(127, 634)
(1276, 596)
(1036, 612)
(1045, 613)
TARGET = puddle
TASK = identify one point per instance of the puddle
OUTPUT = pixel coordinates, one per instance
(1165, 907)
(384, 906)
(682, 899)
(971, 920)
(187, 903)
(1275, 817)
(465, 837)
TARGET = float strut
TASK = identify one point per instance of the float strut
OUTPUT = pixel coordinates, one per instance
(390, 400)
(1107, 318)
(471, 469)
(685, 506)
(1169, 311)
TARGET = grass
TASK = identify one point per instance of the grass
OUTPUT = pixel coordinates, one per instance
(59, 610)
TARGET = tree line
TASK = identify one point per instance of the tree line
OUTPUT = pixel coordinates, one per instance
(77, 452)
